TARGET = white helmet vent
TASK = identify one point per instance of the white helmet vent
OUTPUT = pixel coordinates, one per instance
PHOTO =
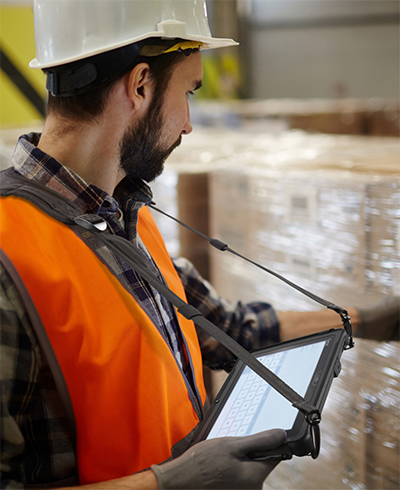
(172, 28)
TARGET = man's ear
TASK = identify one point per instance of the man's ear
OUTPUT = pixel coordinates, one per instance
(139, 89)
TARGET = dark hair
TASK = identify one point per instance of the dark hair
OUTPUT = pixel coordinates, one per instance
(85, 107)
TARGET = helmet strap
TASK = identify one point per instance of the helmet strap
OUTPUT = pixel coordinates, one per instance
(84, 75)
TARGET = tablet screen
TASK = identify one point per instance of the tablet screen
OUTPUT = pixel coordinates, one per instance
(254, 406)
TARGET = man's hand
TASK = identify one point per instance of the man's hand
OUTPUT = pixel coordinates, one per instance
(380, 321)
(221, 463)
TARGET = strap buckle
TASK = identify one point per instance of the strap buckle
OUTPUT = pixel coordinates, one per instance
(91, 222)
(316, 437)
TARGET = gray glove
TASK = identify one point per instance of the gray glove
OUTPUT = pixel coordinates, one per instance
(221, 463)
(381, 320)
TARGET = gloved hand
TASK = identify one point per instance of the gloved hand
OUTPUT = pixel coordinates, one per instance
(380, 321)
(221, 463)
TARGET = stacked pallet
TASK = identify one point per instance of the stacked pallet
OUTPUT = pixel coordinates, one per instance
(323, 210)
(374, 117)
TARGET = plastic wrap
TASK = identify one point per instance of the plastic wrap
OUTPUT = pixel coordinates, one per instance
(321, 210)
(375, 116)
(8, 140)
(383, 236)
(6, 153)
(182, 190)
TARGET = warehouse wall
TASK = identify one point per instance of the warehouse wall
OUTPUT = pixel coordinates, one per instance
(289, 48)
(22, 90)
(325, 48)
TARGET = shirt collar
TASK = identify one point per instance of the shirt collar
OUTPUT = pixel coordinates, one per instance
(31, 162)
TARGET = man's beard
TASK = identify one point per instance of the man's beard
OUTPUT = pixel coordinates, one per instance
(142, 154)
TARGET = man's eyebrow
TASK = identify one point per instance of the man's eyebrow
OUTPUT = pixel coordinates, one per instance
(198, 85)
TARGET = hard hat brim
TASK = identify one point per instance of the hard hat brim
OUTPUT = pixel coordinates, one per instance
(207, 43)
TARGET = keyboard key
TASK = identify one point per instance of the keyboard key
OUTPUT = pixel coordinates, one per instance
(245, 405)
(241, 415)
(238, 403)
(243, 430)
(227, 423)
(255, 385)
(247, 419)
(252, 410)
(242, 394)
(257, 399)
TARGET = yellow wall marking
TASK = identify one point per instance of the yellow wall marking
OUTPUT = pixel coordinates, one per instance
(17, 41)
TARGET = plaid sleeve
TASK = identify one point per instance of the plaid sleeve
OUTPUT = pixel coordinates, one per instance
(19, 368)
(35, 439)
(253, 325)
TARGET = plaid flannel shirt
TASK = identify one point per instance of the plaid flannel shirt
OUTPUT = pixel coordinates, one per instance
(35, 437)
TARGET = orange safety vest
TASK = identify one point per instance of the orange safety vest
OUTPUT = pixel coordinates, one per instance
(129, 396)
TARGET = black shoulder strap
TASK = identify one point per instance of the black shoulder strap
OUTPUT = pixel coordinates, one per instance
(49, 201)
(63, 210)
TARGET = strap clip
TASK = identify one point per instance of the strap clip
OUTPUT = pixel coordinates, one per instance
(91, 222)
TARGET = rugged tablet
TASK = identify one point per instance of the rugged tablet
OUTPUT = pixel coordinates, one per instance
(246, 404)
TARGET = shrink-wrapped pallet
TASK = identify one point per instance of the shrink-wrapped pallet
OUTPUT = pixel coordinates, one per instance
(383, 117)
(9, 138)
(323, 212)
(374, 116)
(315, 115)
(383, 236)
(182, 190)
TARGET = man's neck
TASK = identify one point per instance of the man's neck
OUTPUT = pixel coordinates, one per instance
(89, 149)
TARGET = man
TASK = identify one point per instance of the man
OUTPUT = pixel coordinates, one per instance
(131, 366)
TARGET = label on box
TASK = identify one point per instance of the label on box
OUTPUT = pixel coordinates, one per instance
(302, 266)
(301, 205)
(398, 236)
(395, 272)
(395, 276)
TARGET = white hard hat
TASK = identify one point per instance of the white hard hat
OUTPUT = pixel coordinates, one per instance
(71, 30)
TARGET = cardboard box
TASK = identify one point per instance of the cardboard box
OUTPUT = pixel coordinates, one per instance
(193, 209)
(373, 117)
(297, 203)
(374, 381)
(311, 231)
(334, 116)
(384, 117)
(306, 215)
(383, 236)
(230, 207)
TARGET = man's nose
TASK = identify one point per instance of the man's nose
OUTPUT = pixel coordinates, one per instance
(187, 128)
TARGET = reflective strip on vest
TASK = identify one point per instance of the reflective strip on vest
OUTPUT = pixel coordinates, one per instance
(129, 396)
